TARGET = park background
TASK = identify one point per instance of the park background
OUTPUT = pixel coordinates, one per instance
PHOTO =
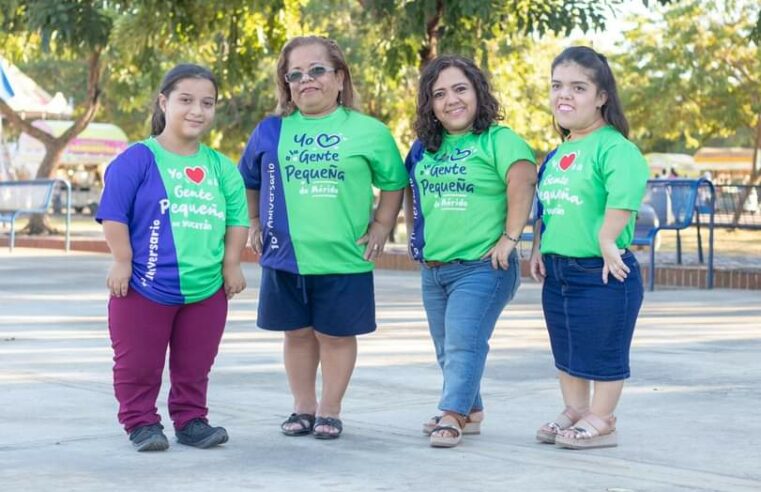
(689, 71)
(689, 74)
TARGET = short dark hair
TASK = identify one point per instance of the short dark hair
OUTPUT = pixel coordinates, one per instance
(602, 76)
(172, 77)
(428, 129)
(346, 97)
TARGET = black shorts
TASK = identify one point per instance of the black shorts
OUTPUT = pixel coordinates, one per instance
(336, 304)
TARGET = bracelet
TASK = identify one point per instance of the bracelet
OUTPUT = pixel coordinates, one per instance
(511, 238)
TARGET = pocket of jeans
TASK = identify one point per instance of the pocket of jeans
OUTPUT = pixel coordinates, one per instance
(587, 265)
(633, 264)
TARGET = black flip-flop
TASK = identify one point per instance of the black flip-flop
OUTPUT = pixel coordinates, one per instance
(329, 421)
(305, 420)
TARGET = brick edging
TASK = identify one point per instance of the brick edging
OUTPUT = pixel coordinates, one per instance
(671, 276)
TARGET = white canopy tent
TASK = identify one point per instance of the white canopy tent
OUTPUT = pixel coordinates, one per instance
(24, 96)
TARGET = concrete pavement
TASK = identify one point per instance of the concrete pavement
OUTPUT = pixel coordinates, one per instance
(690, 418)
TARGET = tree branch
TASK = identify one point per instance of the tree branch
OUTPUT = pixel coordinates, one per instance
(430, 49)
(25, 126)
(93, 98)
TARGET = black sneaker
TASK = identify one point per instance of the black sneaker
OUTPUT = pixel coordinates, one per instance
(199, 434)
(149, 438)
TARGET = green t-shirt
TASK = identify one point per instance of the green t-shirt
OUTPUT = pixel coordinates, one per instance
(315, 177)
(459, 195)
(583, 179)
(177, 209)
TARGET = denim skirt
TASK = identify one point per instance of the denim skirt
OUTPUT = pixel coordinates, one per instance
(591, 323)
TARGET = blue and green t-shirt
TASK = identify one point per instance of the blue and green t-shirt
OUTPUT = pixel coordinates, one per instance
(177, 209)
(458, 192)
(315, 177)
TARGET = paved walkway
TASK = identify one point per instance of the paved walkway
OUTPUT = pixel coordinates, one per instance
(689, 419)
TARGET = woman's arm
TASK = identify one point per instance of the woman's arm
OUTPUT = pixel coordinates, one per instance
(384, 220)
(521, 183)
(614, 223)
(409, 217)
(536, 263)
(255, 224)
(235, 241)
(117, 237)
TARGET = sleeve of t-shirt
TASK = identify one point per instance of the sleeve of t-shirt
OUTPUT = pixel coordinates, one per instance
(231, 184)
(540, 175)
(624, 171)
(509, 148)
(250, 162)
(121, 182)
(413, 156)
(389, 173)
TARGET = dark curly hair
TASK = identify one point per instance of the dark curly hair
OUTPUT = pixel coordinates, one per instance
(599, 70)
(429, 130)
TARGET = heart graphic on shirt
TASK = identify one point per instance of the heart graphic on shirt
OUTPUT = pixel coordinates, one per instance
(567, 161)
(195, 174)
(460, 154)
(324, 140)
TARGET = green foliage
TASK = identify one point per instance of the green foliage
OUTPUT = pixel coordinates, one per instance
(704, 83)
(79, 25)
(385, 42)
(468, 27)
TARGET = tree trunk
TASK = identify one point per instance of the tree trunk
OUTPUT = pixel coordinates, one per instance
(430, 49)
(755, 176)
(39, 223)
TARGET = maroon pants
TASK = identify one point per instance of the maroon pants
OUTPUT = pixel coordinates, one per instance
(141, 330)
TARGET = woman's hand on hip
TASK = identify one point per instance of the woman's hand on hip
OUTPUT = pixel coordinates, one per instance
(118, 278)
(612, 262)
(500, 253)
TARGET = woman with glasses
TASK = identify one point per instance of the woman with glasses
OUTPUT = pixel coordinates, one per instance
(472, 184)
(309, 172)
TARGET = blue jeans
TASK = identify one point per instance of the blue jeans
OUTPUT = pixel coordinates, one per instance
(463, 301)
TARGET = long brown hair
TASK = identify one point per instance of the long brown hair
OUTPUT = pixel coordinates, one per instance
(285, 105)
(172, 77)
(602, 76)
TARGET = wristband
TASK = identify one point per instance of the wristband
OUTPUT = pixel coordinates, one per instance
(511, 238)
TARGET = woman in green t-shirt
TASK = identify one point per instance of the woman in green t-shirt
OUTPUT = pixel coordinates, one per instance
(590, 189)
(471, 188)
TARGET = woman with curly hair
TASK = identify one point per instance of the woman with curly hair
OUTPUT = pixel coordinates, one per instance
(471, 188)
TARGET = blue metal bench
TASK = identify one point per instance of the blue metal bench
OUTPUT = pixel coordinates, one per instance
(676, 204)
(18, 198)
(735, 200)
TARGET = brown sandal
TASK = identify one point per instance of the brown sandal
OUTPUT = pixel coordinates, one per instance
(549, 431)
(588, 433)
(448, 441)
(470, 427)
